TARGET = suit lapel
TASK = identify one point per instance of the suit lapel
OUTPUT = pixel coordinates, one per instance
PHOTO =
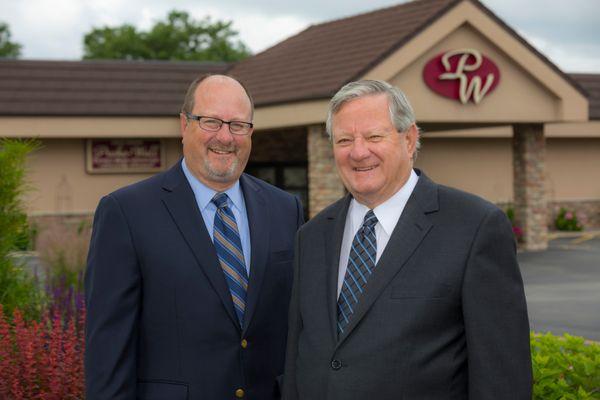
(333, 236)
(180, 202)
(259, 222)
(411, 229)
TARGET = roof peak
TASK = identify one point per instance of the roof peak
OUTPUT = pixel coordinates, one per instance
(404, 3)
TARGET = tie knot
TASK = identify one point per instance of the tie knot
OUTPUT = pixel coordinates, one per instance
(370, 220)
(220, 200)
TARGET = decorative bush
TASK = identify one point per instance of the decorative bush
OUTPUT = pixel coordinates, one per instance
(565, 368)
(41, 360)
(567, 221)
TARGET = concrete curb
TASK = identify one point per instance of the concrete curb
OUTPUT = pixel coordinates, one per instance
(587, 234)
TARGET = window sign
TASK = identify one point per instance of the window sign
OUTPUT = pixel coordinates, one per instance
(124, 156)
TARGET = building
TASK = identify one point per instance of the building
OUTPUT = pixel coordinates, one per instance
(518, 131)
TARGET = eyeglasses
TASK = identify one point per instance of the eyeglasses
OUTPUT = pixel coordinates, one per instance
(212, 124)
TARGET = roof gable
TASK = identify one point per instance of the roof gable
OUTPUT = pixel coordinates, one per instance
(315, 63)
(559, 97)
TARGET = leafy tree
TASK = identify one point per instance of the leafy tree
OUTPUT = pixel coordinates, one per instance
(8, 49)
(179, 37)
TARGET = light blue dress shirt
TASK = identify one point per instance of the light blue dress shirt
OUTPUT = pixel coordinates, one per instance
(236, 203)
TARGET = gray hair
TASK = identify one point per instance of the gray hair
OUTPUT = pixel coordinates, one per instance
(401, 112)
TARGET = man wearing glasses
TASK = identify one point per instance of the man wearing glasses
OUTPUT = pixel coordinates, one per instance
(189, 272)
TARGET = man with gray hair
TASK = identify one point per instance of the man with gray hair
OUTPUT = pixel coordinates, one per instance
(403, 289)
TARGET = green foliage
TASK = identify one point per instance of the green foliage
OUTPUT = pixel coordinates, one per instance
(179, 37)
(8, 49)
(567, 221)
(565, 368)
(17, 288)
(510, 214)
(517, 230)
(25, 240)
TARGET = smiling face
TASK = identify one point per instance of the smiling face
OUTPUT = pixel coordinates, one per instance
(373, 159)
(217, 159)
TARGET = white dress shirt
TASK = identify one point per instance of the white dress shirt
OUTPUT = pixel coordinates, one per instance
(388, 213)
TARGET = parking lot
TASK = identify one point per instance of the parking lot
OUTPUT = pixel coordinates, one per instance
(562, 285)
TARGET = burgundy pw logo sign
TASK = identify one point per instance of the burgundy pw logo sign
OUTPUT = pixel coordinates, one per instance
(463, 74)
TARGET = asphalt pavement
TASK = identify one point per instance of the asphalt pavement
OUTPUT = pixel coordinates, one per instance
(562, 286)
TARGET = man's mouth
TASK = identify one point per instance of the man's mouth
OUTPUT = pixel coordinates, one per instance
(364, 169)
(221, 151)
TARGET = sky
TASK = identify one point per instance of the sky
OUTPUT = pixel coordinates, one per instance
(567, 32)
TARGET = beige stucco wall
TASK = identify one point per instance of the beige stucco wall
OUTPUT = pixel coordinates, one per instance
(480, 166)
(484, 166)
(60, 184)
(573, 169)
(89, 127)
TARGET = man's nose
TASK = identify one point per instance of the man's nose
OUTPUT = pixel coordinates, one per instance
(224, 135)
(360, 149)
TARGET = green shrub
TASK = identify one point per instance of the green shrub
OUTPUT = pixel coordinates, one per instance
(17, 288)
(565, 368)
(567, 221)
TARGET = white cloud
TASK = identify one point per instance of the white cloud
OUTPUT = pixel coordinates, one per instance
(575, 58)
(567, 32)
(260, 32)
(46, 28)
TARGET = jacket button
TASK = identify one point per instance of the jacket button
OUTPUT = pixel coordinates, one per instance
(239, 393)
(244, 343)
(336, 365)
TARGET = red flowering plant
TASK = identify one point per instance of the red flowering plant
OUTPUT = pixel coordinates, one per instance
(41, 360)
(517, 230)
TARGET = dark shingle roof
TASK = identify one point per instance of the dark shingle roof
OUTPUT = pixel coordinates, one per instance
(318, 61)
(591, 84)
(132, 88)
(313, 64)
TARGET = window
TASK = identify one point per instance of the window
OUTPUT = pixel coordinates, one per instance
(291, 177)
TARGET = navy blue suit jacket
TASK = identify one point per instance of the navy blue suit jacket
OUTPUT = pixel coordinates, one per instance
(160, 319)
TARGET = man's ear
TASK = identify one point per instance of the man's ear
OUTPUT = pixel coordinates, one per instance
(412, 136)
(182, 123)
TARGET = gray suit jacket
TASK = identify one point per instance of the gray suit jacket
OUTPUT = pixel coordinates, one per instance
(443, 316)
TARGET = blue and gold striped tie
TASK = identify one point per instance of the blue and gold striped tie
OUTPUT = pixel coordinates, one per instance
(231, 256)
(361, 263)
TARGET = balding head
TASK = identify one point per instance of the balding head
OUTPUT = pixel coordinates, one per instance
(189, 100)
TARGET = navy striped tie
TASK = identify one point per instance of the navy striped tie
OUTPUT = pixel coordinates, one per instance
(231, 256)
(361, 263)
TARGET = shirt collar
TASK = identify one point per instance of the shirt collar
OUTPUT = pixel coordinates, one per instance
(204, 194)
(388, 213)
